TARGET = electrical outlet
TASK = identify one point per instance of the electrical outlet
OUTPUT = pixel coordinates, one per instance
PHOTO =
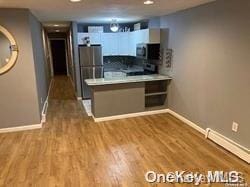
(235, 127)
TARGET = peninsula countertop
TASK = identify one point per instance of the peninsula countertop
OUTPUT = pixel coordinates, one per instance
(128, 79)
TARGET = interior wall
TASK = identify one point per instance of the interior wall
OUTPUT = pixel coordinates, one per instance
(41, 66)
(76, 60)
(211, 70)
(70, 57)
(18, 95)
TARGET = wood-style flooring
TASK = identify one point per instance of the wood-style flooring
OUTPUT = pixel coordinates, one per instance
(72, 150)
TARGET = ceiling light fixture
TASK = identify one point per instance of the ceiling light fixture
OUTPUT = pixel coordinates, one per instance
(57, 30)
(75, 1)
(114, 26)
(148, 2)
(56, 25)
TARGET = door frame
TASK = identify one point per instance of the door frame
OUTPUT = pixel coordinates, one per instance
(66, 54)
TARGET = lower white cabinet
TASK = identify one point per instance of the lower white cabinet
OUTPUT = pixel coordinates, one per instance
(123, 43)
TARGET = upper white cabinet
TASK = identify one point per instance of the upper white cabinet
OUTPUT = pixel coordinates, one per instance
(109, 43)
(95, 38)
(132, 43)
(151, 35)
(123, 43)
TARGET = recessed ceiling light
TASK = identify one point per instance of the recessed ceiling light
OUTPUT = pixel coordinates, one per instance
(75, 1)
(148, 2)
(57, 30)
(56, 25)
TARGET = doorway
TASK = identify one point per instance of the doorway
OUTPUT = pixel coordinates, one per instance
(58, 50)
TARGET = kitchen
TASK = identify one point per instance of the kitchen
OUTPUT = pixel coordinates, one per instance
(121, 60)
(118, 93)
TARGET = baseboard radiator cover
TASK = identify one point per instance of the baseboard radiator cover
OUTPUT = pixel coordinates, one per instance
(228, 144)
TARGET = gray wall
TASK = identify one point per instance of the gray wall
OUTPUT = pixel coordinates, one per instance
(154, 22)
(76, 60)
(19, 104)
(41, 67)
(211, 71)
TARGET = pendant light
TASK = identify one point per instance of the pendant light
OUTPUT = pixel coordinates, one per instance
(114, 26)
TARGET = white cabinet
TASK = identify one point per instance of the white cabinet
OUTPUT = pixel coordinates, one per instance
(81, 37)
(132, 44)
(147, 36)
(123, 43)
(109, 44)
(95, 38)
(151, 35)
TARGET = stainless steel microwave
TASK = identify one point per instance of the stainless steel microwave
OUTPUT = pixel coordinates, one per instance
(148, 51)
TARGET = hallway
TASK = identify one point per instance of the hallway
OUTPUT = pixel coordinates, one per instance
(72, 150)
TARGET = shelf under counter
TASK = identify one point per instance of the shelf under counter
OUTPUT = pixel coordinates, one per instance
(127, 96)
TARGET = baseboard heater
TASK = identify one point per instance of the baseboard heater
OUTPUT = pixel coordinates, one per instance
(228, 144)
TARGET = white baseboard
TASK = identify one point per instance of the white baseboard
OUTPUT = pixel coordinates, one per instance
(46, 104)
(221, 140)
(109, 118)
(188, 122)
(21, 128)
(44, 111)
(229, 145)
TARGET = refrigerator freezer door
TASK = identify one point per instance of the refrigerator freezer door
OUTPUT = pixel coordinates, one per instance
(86, 73)
(90, 56)
(86, 56)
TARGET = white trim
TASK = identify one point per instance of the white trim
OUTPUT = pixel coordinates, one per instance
(188, 122)
(221, 140)
(46, 104)
(109, 118)
(21, 128)
(44, 111)
(229, 145)
(79, 98)
(87, 106)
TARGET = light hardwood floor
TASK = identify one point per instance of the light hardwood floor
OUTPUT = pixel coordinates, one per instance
(72, 150)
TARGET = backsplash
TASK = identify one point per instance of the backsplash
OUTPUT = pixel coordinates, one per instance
(118, 61)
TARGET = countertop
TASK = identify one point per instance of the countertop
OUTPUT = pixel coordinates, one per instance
(128, 79)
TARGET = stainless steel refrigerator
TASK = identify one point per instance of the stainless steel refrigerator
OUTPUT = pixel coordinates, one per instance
(91, 66)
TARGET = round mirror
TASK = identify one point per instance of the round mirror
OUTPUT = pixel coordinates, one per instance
(8, 50)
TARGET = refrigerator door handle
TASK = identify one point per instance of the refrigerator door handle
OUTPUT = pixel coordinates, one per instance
(94, 72)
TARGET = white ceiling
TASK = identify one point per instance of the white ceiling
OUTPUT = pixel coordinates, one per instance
(100, 11)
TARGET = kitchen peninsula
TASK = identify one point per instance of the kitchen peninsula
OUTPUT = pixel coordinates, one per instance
(131, 94)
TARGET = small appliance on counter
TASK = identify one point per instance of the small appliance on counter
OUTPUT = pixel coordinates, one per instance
(91, 66)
